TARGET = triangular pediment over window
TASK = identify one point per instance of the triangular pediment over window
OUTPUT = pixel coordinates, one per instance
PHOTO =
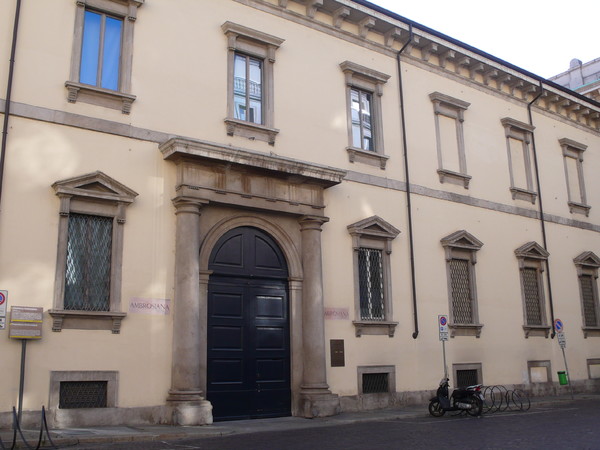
(96, 185)
(589, 259)
(462, 239)
(374, 227)
(532, 250)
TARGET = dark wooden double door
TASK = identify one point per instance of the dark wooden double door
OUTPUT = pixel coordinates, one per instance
(248, 367)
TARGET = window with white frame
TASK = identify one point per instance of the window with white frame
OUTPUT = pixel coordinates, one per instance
(372, 243)
(518, 140)
(449, 133)
(364, 88)
(461, 248)
(532, 259)
(87, 290)
(573, 161)
(102, 53)
(250, 104)
(587, 264)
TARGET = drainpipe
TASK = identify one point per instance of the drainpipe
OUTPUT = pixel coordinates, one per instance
(11, 67)
(541, 208)
(407, 178)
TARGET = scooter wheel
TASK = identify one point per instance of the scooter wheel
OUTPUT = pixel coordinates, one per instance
(476, 406)
(435, 409)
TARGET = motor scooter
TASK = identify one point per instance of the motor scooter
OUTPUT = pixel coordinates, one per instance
(469, 399)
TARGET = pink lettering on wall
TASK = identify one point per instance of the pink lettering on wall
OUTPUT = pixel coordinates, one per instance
(337, 314)
(155, 306)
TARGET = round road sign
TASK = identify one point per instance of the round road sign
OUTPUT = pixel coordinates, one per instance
(2, 298)
(558, 325)
(443, 321)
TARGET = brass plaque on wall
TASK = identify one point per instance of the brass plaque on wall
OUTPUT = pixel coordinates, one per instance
(337, 353)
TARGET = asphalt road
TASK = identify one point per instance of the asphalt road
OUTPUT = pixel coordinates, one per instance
(572, 425)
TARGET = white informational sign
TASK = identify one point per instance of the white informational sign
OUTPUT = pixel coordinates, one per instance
(562, 340)
(443, 325)
(25, 322)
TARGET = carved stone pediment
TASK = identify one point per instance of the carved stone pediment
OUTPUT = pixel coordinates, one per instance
(532, 250)
(589, 259)
(463, 240)
(96, 185)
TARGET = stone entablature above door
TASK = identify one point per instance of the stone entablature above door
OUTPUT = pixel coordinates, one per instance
(234, 176)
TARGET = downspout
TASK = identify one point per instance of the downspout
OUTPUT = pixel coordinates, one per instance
(11, 68)
(407, 178)
(541, 208)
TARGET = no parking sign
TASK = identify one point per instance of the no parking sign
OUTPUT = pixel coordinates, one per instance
(3, 301)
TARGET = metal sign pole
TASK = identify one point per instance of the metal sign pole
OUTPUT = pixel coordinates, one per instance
(22, 379)
(568, 373)
(445, 365)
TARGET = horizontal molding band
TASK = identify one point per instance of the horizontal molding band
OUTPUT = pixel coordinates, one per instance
(120, 129)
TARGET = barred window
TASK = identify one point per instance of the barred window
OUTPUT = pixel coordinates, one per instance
(462, 301)
(370, 270)
(587, 264)
(590, 313)
(87, 281)
(531, 291)
(532, 259)
(372, 244)
(83, 394)
(87, 293)
(461, 249)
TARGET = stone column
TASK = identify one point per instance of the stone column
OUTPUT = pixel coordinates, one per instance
(316, 398)
(189, 346)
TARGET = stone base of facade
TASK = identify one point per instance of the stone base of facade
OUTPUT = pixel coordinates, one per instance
(192, 413)
(319, 405)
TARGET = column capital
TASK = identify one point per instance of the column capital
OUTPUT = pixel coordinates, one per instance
(312, 222)
(190, 205)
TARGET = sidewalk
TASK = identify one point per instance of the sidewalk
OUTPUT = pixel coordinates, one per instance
(73, 436)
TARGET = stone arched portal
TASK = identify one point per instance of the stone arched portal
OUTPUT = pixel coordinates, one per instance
(214, 186)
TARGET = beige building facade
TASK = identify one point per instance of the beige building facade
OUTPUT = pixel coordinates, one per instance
(256, 208)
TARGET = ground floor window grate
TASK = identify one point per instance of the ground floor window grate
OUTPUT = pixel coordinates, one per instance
(466, 377)
(375, 383)
(83, 394)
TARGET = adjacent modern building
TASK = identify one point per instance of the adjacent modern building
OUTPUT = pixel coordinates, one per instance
(233, 209)
(581, 78)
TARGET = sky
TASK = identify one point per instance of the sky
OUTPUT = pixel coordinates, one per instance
(540, 36)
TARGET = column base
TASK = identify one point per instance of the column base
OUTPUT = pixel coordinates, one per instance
(192, 413)
(189, 408)
(323, 404)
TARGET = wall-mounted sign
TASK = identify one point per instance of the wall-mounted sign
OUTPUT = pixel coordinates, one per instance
(25, 322)
(154, 306)
(3, 302)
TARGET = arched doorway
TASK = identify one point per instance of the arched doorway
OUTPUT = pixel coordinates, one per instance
(248, 339)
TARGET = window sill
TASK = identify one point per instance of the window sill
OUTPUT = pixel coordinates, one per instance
(465, 330)
(523, 194)
(356, 154)
(591, 332)
(86, 320)
(536, 330)
(579, 208)
(454, 177)
(375, 328)
(99, 96)
(252, 131)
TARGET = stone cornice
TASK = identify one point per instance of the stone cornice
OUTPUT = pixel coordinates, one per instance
(181, 147)
(376, 31)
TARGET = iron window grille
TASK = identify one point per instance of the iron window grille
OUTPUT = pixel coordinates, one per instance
(370, 268)
(590, 303)
(375, 383)
(531, 292)
(88, 271)
(83, 394)
(466, 377)
(460, 281)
